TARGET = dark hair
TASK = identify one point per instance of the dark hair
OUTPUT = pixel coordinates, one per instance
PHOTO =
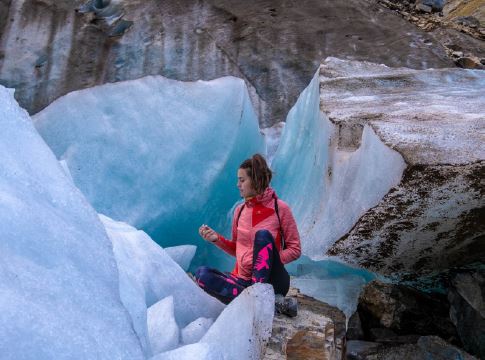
(259, 172)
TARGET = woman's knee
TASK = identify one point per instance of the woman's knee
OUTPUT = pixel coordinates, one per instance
(263, 237)
(201, 272)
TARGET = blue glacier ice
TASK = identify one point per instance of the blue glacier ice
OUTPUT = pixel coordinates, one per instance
(199, 351)
(58, 276)
(193, 332)
(329, 188)
(163, 331)
(156, 153)
(182, 254)
(148, 275)
(161, 156)
(137, 153)
(239, 333)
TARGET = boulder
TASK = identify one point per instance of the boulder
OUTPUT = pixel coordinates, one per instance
(469, 63)
(470, 21)
(435, 5)
(467, 310)
(388, 310)
(424, 8)
(427, 347)
(317, 332)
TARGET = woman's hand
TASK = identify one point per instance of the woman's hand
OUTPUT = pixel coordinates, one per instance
(207, 233)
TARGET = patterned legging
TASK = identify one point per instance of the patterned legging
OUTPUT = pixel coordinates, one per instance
(267, 268)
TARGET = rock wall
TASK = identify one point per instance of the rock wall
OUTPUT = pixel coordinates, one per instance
(49, 48)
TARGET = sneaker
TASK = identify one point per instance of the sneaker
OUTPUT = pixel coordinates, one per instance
(286, 305)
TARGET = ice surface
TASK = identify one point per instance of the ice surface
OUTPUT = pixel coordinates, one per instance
(159, 154)
(329, 188)
(163, 331)
(199, 351)
(342, 292)
(239, 332)
(58, 277)
(272, 137)
(143, 262)
(245, 324)
(182, 254)
(332, 282)
(195, 330)
(432, 116)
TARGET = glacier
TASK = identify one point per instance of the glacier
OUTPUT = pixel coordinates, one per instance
(329, 187)
(148, 275)
(163, 331)
(237, 334)
(129, 148)
(182, 254)
(158, 154)
(77, 282)
(58, 275)
(117, 140)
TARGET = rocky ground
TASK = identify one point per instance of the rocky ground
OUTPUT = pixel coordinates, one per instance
(317, 332)
(457, 24)
(392, 322)
(400, 322)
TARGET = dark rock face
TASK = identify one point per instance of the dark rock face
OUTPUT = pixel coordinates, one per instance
(467, 301)
(457, 234)
(427, 347)
(48, 49)
(436, 5)
(400, 322)
(452, 23)
(400, 310)
(354, 328)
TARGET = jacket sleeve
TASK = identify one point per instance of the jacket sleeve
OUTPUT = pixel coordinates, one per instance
(290, 232)
(228, 245)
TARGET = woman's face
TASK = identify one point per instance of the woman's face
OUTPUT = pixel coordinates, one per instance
(244, 184)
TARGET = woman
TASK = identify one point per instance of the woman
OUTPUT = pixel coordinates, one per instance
(264, 238)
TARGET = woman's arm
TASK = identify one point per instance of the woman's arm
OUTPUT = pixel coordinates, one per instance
(290, 233)
(228, 245)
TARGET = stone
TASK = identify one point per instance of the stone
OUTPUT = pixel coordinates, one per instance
(387, 336)
(360, 350)
(467, 310)
(402, 310)
(432, 220)
(468, 21)
(317, 332)
(424, 8)
(469, 63)
(427, 347)
(436, 5)
(454, 47)
(307, 345)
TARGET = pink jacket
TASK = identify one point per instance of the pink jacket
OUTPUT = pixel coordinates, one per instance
(259, 214)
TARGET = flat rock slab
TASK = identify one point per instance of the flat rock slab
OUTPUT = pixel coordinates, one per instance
(435, 119)
(317, 332)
